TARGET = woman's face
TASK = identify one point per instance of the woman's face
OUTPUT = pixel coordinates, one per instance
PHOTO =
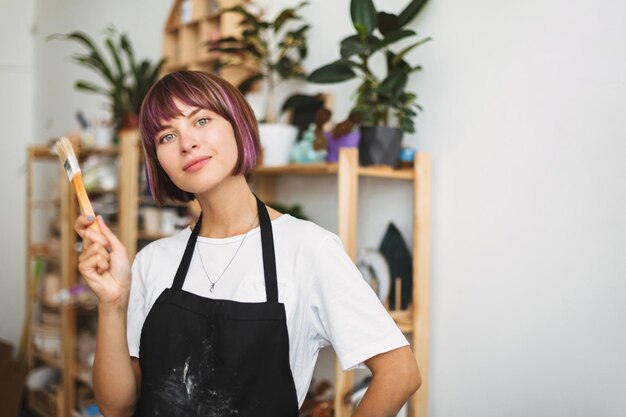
(197, 150)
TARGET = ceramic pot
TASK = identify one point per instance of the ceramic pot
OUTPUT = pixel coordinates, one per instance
(277, 141)
(351, 140)
(380, 146)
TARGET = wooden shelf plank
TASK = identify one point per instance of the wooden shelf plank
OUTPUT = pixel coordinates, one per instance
(403, 319)
(40, 249)
(298, 169)
(326, 168)
(387, 172)
(42, 151)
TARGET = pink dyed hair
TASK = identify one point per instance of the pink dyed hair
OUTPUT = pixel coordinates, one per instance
(203, 90)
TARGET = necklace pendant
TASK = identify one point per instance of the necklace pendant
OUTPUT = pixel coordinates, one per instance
(212, 288)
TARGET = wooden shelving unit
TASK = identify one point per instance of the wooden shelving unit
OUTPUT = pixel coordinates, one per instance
(190, 25)
(45, 403)
(415, 320)
(128, 154)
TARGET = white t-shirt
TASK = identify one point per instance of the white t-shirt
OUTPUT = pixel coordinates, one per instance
(327, 302)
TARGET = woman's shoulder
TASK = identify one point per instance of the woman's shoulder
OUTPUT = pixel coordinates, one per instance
(289, 227)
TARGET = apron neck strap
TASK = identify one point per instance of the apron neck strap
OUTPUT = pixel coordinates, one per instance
(183, 267)
(269, 257)
(267, 243)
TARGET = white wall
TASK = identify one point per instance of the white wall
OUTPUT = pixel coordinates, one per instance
(57, 100)
(16, 121)
(522, 107)
(523, 114)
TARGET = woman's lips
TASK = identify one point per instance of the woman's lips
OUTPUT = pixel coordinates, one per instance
(196, 164)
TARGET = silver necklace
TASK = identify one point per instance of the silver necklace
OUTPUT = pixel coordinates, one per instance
(229, 262)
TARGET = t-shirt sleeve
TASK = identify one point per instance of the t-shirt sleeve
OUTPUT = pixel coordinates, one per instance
(344, 310)
(136, 307)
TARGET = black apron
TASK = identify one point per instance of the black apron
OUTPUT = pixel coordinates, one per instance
(203, 357)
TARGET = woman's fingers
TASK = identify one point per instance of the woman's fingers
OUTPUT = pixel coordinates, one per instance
(83, 226)
(113, 241)
(93, 250)
(95, 257)
(102, 264)
(82, 223)
(93, 263)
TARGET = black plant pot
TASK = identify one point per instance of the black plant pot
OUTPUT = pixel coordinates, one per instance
(380, 146)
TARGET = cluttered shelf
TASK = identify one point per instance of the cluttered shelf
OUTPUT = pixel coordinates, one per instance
(84, 375)
(48, 358)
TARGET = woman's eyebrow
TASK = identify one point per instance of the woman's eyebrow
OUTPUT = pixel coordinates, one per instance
(191, 113)
(187, 116)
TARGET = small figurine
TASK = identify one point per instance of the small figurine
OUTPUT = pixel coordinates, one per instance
(304, 152)
(343, 135)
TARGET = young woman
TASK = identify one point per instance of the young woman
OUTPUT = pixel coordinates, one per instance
(227, 318)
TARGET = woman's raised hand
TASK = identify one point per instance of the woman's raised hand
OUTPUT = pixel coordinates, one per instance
(103, 261)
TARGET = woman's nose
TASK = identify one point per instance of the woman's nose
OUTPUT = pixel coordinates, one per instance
(188, 142)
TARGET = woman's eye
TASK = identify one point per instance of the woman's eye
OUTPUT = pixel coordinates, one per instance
(166, 138)
(202, 121)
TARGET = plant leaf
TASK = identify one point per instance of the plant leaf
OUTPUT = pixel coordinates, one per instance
(335, 72)
(297, 100)
(387, 23)
(363, 15)
(392, 87)
(394, 37)
(127, 47)
(351, 45)
(246, 85)
(394, 64)
(90, 88)
(402, 53)
(116, 58)
(410, 11)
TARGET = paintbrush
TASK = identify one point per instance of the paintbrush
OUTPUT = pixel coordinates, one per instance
(70, 163)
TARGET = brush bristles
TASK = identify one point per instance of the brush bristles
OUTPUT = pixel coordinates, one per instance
(70, 163)
(67, 157)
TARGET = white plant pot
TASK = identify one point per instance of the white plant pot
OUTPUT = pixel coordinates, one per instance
(277, 141)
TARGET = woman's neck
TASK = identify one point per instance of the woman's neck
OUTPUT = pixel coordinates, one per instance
(228, 210)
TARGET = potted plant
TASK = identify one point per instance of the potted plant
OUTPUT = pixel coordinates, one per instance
(275, 50)
(378, 97)
(127, 79)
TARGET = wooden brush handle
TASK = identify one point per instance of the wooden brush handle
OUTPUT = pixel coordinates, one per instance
(83, 199)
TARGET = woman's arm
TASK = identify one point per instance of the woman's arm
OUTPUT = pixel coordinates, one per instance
(104, 265)
(116, 375)
(395, 377)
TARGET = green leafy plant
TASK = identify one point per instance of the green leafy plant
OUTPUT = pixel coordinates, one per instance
(376, 96)
(127, 79)
(275, 49)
